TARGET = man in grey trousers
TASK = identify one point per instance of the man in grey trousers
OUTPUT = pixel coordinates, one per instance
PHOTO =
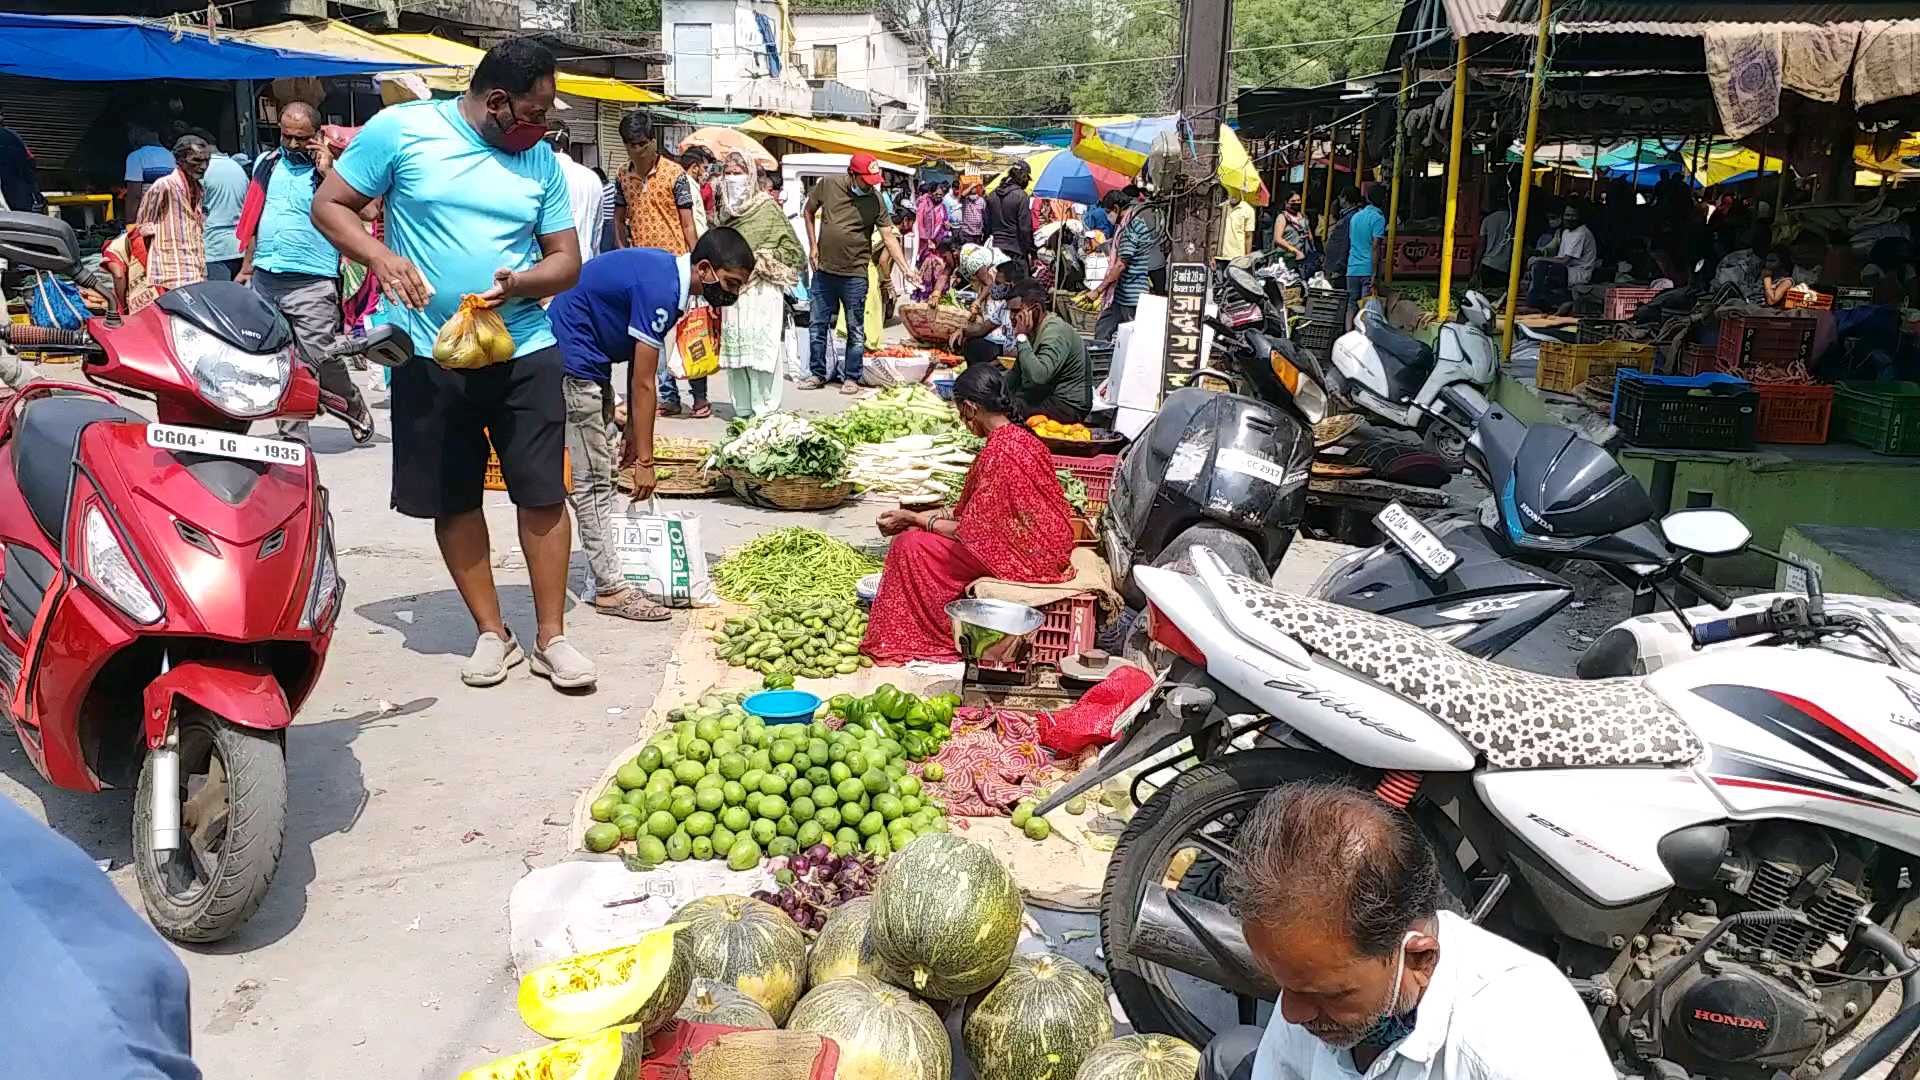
(293, 266)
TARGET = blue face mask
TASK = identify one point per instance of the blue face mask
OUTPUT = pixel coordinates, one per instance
(1393, 1025)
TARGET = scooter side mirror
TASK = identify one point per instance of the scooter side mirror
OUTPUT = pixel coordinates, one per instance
(38, 242)
(1706, 531)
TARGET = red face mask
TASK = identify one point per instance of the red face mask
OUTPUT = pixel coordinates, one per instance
(517, 136)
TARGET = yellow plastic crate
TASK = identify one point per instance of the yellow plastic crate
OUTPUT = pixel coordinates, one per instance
(1565, 368)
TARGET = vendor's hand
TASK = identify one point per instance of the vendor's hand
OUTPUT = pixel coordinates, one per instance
(897, 521)
(401, 281)
(243, 276)
(813, 256)
(505, 282)
(956, 339)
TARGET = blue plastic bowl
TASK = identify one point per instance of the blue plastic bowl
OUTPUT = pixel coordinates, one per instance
(782, 706)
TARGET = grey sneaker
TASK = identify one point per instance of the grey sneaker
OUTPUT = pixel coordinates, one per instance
(492, 656)
(564, 666)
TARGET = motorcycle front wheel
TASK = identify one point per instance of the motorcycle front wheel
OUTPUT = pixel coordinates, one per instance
(1446, 444)
(233, 821)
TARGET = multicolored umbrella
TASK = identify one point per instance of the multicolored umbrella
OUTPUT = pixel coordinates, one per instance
(721, 141)
(1122, 143)
(1058, 174)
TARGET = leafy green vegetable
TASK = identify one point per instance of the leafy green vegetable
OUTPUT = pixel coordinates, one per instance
(1075, 490)
(780, 445)
(891, 414)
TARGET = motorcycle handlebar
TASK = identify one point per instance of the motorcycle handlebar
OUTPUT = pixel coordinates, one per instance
(1740, 626)
(1704, 589)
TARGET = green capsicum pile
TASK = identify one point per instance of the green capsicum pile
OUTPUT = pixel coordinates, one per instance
(920, 725)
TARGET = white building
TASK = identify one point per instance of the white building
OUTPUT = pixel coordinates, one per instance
(843, 60)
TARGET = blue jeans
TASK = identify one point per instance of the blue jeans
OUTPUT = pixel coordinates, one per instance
(831, 294)
(670, 393)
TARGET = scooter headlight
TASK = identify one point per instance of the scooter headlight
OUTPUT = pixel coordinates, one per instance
(111, 570)
(238, 383)
(326, 577)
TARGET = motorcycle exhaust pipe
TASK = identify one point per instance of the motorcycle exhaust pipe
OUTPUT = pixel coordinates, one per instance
(1201, 938)
(164, 814)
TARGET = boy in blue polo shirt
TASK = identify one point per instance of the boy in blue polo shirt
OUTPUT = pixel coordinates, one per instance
(627, 303)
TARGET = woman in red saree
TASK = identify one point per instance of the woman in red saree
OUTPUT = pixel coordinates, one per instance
(1012, 522)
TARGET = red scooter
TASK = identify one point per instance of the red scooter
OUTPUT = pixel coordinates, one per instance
(168, 589)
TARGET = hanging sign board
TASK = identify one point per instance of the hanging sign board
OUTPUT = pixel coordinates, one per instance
(1186, 319)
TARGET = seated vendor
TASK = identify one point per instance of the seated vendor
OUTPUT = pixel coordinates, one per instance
(1011, 522)
(988, 333)
(1776, 278)
(1051, 375)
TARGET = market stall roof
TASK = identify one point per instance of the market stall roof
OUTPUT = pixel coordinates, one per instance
(465, 58)
(840, 136)
(701, 117)
(111, 49)
(444, 65)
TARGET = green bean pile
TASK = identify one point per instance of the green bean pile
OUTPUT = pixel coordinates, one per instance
(792, 565)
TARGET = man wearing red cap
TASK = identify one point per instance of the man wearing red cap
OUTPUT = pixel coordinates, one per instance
(839, 251)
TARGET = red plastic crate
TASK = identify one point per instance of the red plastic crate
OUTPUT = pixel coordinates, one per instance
(1623, 300)
(1696, 360)
(1763, 339)
(1069, 630)
(1793, 413)
(1096, 473)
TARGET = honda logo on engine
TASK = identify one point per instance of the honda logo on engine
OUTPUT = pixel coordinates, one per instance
(1729, 1019)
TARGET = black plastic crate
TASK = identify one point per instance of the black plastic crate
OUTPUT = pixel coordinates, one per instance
(1697, 412)
(1318, 335)
(1100, 358)
(1323, 304)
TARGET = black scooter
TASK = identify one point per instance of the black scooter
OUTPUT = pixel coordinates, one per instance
(1482, 581)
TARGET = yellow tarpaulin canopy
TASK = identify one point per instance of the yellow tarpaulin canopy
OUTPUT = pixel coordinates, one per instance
(439, 50)
(843, 137)
(1893, 164)
(1726, 160)
(456, 62)
(1236, 170)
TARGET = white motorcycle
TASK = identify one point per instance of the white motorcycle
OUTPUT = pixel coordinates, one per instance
(1723, 856)
(1396, 378)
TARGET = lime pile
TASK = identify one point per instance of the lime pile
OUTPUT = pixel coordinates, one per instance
(814, 638)
(723, 784)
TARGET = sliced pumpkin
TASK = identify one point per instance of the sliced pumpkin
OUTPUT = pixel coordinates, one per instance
(641, 984)
(614, 1054)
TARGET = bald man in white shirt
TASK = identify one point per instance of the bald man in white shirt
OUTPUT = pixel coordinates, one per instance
(1339, 898)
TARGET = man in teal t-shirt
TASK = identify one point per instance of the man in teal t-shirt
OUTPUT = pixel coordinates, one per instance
(475, 205)
(1369, 224)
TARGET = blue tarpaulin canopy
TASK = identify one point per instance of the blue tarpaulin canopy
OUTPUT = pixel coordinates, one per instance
(83, 49)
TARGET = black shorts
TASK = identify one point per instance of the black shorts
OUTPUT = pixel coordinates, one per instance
(442, 420)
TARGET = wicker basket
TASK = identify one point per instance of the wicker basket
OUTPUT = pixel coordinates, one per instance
(933, 324)
(789, 492)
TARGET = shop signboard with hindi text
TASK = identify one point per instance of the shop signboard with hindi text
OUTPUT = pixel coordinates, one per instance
(1186, 324)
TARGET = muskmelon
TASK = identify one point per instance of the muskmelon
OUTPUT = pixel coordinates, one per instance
(845, 946)
(641, 984)
(1141, 1057)
(613, 1054)
(883, 1033)
(1039, 1021)
(748, 945)
(946, 915)
(711, 1003)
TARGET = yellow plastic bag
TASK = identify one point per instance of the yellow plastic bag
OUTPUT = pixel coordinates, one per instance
(474, 337)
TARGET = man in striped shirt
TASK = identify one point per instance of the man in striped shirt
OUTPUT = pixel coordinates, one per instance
(172, 218)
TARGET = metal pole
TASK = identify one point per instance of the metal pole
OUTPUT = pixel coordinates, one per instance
(1326, 204)
(1360, 154)
(1454, 167)
(1526, 187)
(1399, 165)
(1306, 172)
(1206, 27)
(1638, 146)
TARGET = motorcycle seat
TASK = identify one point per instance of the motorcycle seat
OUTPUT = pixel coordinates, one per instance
(46, 436)
(1390, 340)
(1515, 719)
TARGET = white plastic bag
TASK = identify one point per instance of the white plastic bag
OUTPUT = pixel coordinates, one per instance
(663, 556)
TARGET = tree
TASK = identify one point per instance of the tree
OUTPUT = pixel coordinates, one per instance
(621, 16)
(951, 31)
